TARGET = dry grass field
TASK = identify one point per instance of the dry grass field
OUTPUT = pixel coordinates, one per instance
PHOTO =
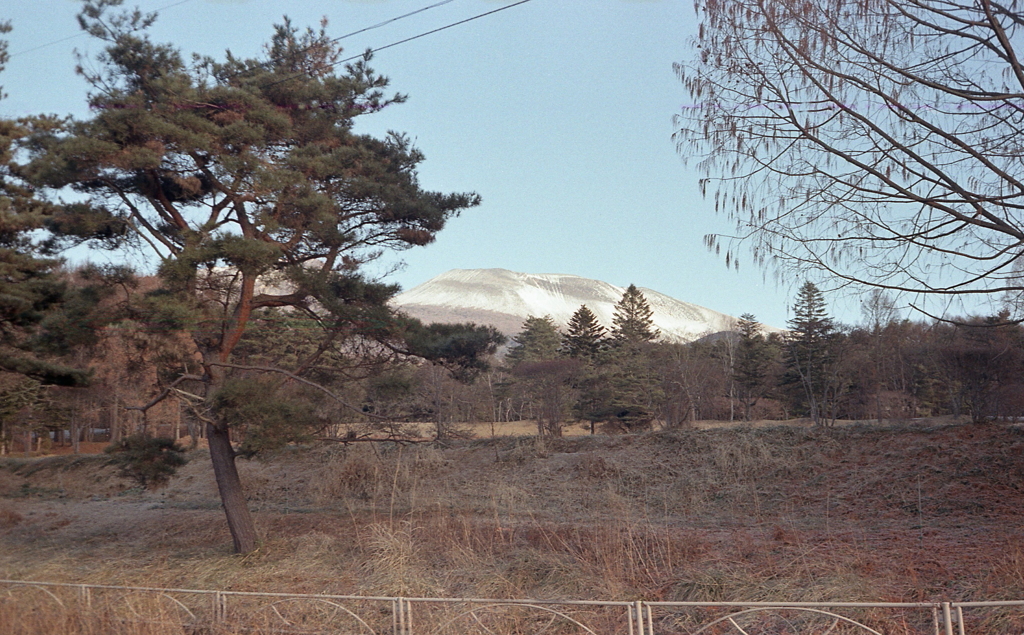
(911, 512)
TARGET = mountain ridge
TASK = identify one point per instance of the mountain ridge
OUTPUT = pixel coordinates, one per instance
(504, 299)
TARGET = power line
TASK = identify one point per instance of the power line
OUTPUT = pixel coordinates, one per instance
(437, 30)
(396, 19)
(408, 39)
(269, 63)
(180, 2)
(81, 33)
(347, 35)
(42, 46)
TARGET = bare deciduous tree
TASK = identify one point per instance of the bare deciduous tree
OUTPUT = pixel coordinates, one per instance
(876, 141)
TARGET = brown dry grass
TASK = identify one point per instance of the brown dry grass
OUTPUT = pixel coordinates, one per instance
(785, 513)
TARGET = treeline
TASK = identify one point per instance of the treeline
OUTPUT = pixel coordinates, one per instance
(887, 368)
(625, 378)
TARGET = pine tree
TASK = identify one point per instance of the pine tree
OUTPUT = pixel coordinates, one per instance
(810, 347)
(632, 320)
(585, 335)
(542, 376)
(750, 366)
(32, 292)
(633, 383)
(233, 173)
(539, 340)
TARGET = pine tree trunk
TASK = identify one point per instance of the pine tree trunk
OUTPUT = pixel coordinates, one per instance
(243, 531)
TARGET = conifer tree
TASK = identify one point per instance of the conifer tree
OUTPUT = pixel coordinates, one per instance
(539, 340)
(33, 297)
(246, 182)
(632, 320)
(542, 376)
(631, 380)
(810, 347)
(585, 335)
(750, 366)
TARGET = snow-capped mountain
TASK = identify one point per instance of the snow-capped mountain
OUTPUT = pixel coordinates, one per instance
(504, 299)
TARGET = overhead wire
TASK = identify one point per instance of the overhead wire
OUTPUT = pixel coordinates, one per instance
(408, 39)
(81, 33)
(395, 19)
(180, 2)
(338, 39)
(357, 32)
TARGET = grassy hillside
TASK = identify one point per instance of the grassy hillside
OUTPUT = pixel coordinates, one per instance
(784, 513)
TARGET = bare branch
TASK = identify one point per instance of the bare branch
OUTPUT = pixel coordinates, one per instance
(165, 392)
(875, 142)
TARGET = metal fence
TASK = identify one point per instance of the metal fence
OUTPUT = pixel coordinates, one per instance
(213, 611)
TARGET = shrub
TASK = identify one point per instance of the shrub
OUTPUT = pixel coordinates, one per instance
(149, 461)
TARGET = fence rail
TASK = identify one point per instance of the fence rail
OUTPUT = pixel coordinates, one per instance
(200, 610)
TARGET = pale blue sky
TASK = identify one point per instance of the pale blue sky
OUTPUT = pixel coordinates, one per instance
(559, 114)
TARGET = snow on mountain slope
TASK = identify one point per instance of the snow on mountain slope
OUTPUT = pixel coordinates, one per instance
(504, 299)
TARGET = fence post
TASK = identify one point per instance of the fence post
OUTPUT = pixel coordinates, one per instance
(400, 616)
(220, 607)
(85, 595)
(947, 618)
(408, 617)
(639, 609)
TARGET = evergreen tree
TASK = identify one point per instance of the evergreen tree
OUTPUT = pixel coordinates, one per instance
(33, 296)
(632, 323)
(149, 461)
(750, 366)
(585, 335)
(241, 173)
(810, 348)
(541, 377)
(635, 388)
(594, 399)
(16, 394)
(539, 340)
(631, 388)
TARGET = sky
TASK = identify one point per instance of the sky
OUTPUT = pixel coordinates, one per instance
(559, 114)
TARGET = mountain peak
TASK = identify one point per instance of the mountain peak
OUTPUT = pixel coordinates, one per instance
(504, 299)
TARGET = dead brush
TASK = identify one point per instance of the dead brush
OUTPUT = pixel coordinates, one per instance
(350, 475)
(722, 514)
(22, 614)
(393, 565)
(370, 474)
(468, 556)
(747, 456)
(619, 559)
(1006, 579)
